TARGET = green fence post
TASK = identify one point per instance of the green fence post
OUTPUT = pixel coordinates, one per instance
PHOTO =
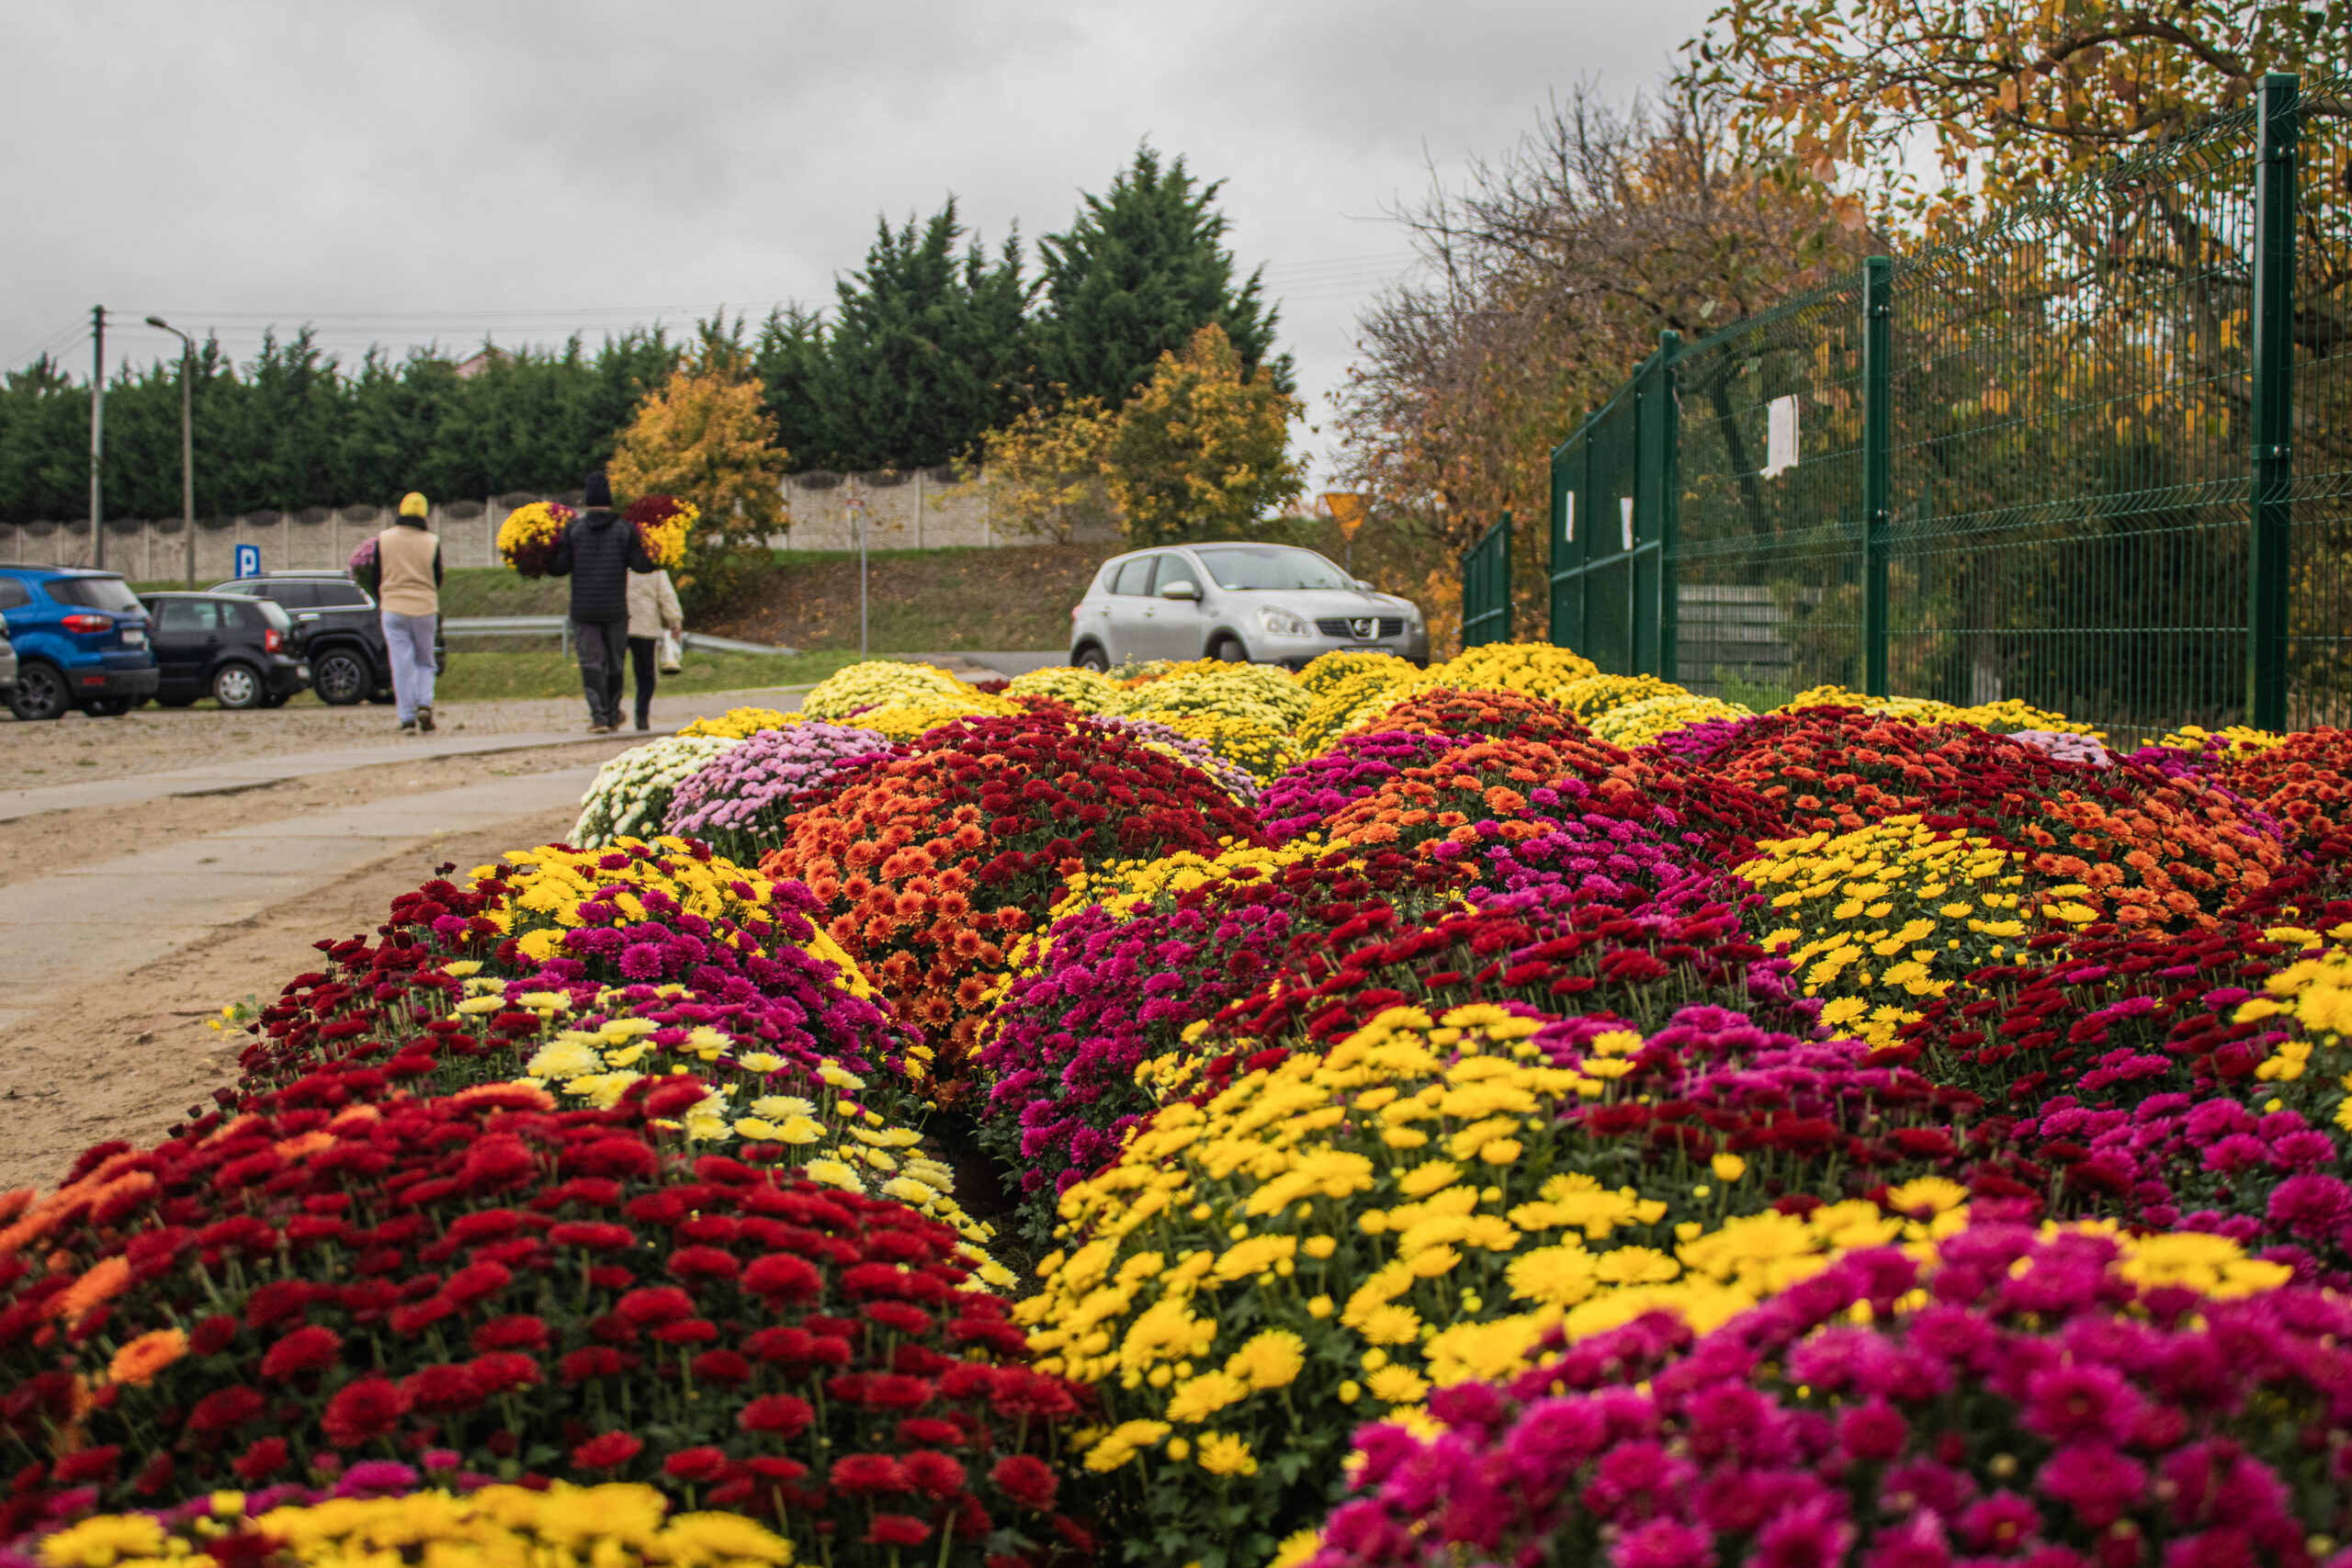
(1878, 441)
(2272, 513)
(1669, 496)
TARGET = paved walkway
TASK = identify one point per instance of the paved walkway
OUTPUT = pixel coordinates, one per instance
(84, 926)
(233, 775)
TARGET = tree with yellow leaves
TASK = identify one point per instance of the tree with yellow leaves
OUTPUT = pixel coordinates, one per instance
(2011, 94)
(1201, 451)
(1043, 471)
(704, 436)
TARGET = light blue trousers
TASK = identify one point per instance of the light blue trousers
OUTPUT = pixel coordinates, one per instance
(409, 639)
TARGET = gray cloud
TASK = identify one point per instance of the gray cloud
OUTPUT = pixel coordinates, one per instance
(407, 171)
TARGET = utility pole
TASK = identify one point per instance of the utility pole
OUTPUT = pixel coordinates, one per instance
(97, 430)
(855, 505)
(188, 438)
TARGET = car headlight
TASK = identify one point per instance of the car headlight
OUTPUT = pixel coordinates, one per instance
(1281, 623)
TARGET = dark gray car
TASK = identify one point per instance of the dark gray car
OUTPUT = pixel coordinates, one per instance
(343, 632)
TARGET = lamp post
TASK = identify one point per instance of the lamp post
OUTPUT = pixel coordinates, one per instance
(188, 438)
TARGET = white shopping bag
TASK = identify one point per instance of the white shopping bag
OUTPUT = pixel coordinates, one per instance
(672, 652)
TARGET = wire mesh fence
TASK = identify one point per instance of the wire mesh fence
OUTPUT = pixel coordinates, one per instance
(2095, 455)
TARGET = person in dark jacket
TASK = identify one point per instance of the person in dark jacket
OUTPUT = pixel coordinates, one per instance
(598, 552)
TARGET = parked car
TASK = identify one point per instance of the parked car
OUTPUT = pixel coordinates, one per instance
(1263, 604)
(240, 652)
(80, 641)
(343, 632)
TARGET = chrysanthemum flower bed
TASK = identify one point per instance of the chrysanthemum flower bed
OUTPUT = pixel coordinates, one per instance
(1497, 1112)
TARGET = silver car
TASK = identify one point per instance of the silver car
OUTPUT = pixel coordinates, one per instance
(8, 666)
(1261, 604)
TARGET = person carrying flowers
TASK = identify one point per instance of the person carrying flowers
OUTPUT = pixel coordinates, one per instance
(653, 617)
(406, 577)
(598, 552)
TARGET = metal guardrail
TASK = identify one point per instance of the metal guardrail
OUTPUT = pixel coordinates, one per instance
(560, 626)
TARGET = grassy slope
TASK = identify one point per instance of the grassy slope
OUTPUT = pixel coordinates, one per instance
(925, 601)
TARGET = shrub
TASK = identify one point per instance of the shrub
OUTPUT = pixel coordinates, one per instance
(932, 864)
(741, 799)
(1310, 1239)
(630, 794)
(2054, 1402)
(1128, 964)
(538, 1291)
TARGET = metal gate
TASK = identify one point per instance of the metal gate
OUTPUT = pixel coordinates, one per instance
(1485, 587)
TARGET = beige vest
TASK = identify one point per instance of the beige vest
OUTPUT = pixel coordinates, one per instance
(405, 556)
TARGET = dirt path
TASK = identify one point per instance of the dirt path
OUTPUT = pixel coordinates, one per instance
(128, 1057)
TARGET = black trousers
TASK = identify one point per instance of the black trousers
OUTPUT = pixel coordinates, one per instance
(604, 648)
(640, 665)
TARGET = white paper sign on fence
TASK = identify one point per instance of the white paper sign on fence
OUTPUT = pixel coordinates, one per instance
(1779, 436)
(1625, 518)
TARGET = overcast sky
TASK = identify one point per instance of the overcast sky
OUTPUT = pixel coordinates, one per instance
(405, 172)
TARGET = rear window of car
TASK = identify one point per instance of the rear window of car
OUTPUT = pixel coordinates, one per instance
(174, 615)
(92, 593)
(271, 614)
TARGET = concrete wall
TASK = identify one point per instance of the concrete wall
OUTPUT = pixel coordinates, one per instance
(925, 509)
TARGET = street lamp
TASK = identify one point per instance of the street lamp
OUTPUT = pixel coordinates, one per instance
(188, 438)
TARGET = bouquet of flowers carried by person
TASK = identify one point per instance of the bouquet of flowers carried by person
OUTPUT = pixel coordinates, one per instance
(366, 568)
(663, 522)
(526, 540)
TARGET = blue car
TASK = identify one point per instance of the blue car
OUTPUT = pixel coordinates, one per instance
(80, 641)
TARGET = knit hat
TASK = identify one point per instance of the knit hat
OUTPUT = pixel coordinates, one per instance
(413, 504)
(598, 490)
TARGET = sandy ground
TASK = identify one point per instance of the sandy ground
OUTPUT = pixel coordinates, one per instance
(129, 1056)
(59, 840)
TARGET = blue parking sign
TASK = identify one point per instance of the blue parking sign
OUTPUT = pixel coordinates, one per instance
(248, 560)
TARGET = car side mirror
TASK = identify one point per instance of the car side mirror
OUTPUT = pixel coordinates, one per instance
(1180, 588)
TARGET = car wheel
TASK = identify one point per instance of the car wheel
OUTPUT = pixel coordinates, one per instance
(1230, 650)
(40, 693)
(237, 686)
(1092, 657)
(340, 678)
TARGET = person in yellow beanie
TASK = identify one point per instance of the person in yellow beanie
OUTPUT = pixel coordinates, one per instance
(408, 564)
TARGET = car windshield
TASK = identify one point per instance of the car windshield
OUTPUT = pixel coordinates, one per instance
(1262, 567)
(92, 593)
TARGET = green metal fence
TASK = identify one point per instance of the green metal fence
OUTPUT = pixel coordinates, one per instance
(1485, 587)
(2095, 455)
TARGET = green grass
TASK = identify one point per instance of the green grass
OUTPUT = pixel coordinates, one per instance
(475, 676)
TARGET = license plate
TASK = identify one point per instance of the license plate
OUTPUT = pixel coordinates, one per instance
(133, 638)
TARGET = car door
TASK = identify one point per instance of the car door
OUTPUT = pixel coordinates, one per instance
(184, 631)
(1177, 624)
(1131, 610)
